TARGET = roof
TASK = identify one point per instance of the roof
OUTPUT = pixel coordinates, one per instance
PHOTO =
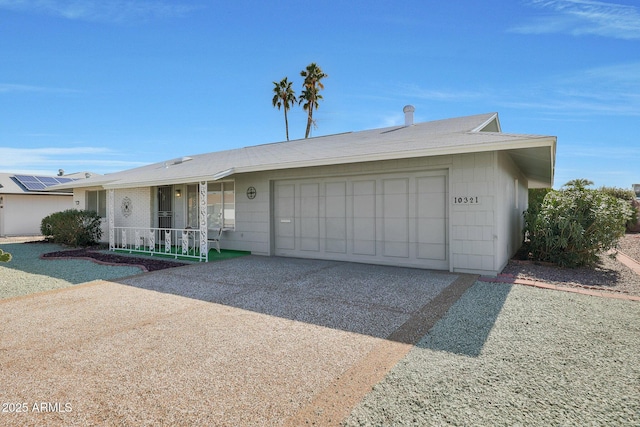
(11, 184)
(534, 154)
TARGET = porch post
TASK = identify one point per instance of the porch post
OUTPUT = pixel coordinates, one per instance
(202, 218)
(111, 201)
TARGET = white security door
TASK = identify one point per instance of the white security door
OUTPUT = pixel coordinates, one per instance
(395, 219)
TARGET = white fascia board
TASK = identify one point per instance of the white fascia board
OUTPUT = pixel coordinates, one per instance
(486, 122)
(532, 141)
(171, 181)
(224, 174)
(78, 184)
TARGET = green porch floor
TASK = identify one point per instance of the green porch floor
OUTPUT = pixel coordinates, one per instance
(213, 254)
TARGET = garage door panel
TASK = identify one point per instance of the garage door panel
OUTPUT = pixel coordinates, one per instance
(364, 217)
(399, 219)
(432, 251)
(395, 218)
(431, 218)
(336, 237)
(284, 216)
(336, 217)
(364, 236)
(432, 230)
(309, 217)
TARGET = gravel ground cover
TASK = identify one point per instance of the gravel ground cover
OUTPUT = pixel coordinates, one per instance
(512, 355)
(26, 273)
(609, 274)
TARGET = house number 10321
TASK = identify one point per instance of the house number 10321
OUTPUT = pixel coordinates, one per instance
(466, 200)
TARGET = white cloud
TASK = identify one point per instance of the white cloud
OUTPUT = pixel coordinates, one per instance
(113, 11)
(80, 158)
(11, 88)
(607, 90)
(442, 94)
(584, 17)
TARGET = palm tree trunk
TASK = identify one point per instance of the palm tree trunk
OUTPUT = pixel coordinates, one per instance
(286, 123)
(309, 120)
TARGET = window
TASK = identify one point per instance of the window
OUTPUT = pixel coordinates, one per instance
(97, 202)
(193, 196)
(221, 205)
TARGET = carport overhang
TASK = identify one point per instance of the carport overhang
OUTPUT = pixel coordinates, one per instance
(536, 163)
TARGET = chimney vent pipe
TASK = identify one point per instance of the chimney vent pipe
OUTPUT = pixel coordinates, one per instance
(408, 114)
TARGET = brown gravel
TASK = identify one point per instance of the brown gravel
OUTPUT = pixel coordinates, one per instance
(147, 263)
(609, 274)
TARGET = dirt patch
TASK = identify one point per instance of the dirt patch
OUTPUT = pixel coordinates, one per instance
(146, 263)
(609, 274)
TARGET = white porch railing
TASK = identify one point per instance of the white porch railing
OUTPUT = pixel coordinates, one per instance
(184, 243)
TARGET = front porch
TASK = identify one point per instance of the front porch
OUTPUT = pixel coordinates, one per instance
(185, 221)
(184, 243)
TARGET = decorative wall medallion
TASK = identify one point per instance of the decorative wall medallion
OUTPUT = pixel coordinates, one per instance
(127, 206)
(251, 193)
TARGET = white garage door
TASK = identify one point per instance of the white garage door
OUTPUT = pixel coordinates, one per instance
(398, 219)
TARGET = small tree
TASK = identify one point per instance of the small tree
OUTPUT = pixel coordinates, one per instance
(72, 227)
(576, 224)
(4, 256)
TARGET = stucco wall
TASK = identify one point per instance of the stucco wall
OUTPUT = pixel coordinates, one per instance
(141, 208)
(513, 199)
(473, 233)
(21, 215)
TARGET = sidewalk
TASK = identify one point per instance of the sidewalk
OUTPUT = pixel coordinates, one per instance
(19, 239)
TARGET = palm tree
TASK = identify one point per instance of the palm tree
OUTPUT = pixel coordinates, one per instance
(310, 96)
(284, 96)
(578, 184)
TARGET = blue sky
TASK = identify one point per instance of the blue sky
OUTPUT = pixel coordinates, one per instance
(107, 85)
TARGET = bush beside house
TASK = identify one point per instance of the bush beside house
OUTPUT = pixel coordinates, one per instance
(72, 227)
(571, 226)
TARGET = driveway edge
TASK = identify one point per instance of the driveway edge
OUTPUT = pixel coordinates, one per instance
(335, 403)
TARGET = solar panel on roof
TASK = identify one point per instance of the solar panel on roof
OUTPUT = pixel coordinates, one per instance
(26, 178)
(37, 183)
(34, 186)
(47, 180)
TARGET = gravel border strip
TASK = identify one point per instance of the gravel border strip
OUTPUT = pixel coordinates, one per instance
(335, 403)
(575, 288)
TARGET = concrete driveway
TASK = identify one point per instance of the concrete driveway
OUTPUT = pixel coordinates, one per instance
(248, 341)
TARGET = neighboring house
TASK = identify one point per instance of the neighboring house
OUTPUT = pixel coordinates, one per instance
(446, 195)
(24, 202)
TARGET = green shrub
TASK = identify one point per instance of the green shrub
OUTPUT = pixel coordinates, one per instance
(72, 227)
(575, 224)
(4, 256)
(630, 197)
(536, 197)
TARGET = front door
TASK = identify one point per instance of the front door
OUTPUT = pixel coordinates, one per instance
(165, 206)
